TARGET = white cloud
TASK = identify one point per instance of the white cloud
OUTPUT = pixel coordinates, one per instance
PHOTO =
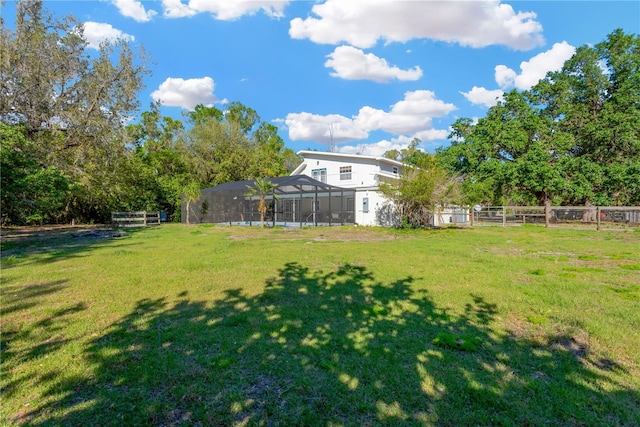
(97, 32)
(376, 149)
(177, 92)
(481, 96)
(431, 134)
(177, 9)
(412, 114)
(332, 127)
(410, 117)
(505, 76)
(399, 143)
(134, 9)
(353, 64)
(535, 69)
(224, 10)
(531, 72)
(362, 23)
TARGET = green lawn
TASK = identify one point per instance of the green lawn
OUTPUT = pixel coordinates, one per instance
(204, 325)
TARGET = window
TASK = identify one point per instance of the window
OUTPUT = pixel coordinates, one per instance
(319, 174)
(345, 173)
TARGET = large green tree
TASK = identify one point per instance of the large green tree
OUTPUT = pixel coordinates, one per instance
(67, 150)
(270, 157)
(514, 148)
(218, 152)
(71, 103)
(30, 194)
(411, 155)
(574, 138)
(158, 154)
(234, 145)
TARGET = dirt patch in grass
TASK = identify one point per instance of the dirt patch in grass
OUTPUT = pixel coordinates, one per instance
(521, 329)
(28, 240)
(320, 234)
(45, 232)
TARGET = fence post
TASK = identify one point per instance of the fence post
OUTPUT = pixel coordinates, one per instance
(504, 216)
(598, 218)
(547, 213)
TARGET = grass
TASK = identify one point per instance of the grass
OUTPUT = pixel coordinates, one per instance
(205, 325)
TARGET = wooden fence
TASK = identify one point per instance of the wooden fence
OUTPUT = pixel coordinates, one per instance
(135, 219)
(598, 216)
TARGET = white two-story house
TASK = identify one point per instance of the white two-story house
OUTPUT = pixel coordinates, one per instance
(361, 173)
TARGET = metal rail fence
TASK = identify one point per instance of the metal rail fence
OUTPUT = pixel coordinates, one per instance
(591, 216)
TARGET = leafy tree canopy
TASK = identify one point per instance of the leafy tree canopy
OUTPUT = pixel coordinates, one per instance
(574, 138)
(70, 150)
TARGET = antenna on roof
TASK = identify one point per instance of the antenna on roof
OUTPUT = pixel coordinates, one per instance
(332, 145)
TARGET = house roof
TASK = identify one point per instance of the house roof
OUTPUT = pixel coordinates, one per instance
(341, 156)
(285, 185)
(347, 158)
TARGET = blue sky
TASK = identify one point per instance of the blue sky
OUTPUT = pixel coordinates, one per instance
(367, 75)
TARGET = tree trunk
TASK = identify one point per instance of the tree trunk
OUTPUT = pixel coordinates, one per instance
(262, 211)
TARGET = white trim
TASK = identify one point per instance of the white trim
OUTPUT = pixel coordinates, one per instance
(310, 154)
(299, 169)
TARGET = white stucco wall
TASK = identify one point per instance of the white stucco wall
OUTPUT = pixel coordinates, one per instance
(365, 173)
(376, 205)
(364, 169)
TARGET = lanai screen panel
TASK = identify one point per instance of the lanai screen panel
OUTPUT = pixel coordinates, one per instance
(300, 200)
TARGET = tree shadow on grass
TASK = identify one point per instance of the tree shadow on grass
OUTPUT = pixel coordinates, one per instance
(28, 339)
(333, 348)
(18, 298)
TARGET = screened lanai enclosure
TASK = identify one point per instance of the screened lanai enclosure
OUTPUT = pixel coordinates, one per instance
(297, 200)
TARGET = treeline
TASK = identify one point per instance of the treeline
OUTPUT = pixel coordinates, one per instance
(572, 139)
(68, 150)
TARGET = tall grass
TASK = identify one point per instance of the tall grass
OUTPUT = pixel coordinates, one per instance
(206, 325)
